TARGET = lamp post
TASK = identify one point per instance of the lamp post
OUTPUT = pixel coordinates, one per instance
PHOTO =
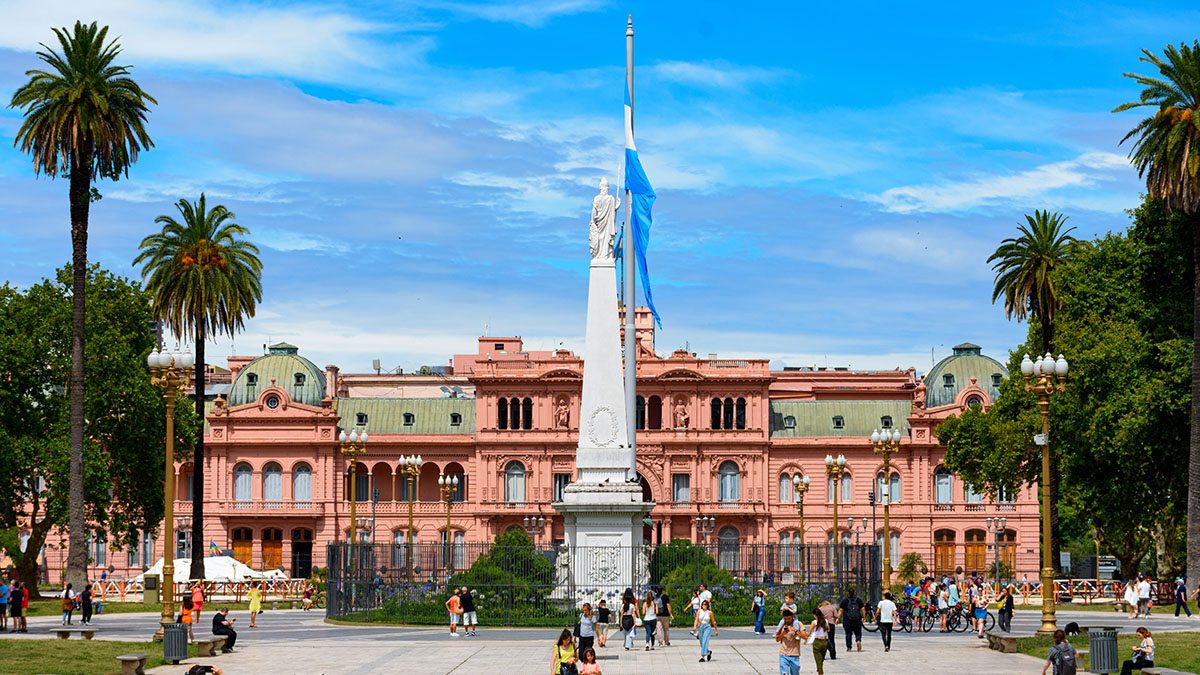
(886, 442)
(856, 530)
(704, 526)
(410, 466)
(800, 485)
(169, 370)
(353, 446)
(447, 485)
(1044, 377)
(836, 468)
(997, 526)
(533, 527)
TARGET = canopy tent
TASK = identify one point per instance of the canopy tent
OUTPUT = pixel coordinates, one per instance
(216, 568)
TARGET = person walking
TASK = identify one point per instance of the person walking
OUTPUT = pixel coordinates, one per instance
(788, 634)
(1131, 599)
(222, 624)
(68, 605)
(1062, 656)
(706, 627)
(664, 614)
(603, 618)
(1143, 596)
(15, 606)
(85, 604)
(454, 608)
(255, 596)
(1181, 598)
(980, 606)
(628, 619)
(564, 658)
(4, 596)
(819, 632)
(587, 628)
(759, 607)
(470, 615)
(851, 614)
(197, 598)
(885, 618)
(831, 615)
(650, 620)
(1143, 654)
(187, 616)
(1006, 609)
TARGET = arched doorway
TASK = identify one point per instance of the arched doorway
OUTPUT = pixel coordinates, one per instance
(302, 545)
(243, 545)
(272, 548)
(647, 496)
(975, 553)
(728, 547)
(943, 552)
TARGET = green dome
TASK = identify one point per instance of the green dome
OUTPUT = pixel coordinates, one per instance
(299, 377)
(952, 374)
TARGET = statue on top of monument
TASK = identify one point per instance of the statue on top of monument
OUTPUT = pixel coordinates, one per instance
(603, 229)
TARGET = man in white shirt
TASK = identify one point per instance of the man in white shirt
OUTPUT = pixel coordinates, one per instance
(885, 616)
(1143, 591)
(705, 595)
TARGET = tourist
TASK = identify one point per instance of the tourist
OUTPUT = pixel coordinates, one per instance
(788, 634)
(629, 597)
(1181, 599)
(470, 617)
(705, 627)
(650, 620)
(25, 606)
(819, 631)
(830, 611)
(1143, 654)
(255, 595)
(1143, 596)
(306, 600)
(222, 624)
(4, 594)
(1062, 656)
(587, 628)
(1153, 592)
(603, 618)
(187, 616)
(628, 619)
(197, 598)
(1131, 599)
(705, 594)
(760, 612)
(885, 617)
(1007, 605)
(664, 614)
(85, 604)
(851, 614)
(588, 665)
(14, 606)
(694, 605)
(981, 609)
(789, 602)
(943, 607)
(564, 655)
(454, 608)
(68, 605)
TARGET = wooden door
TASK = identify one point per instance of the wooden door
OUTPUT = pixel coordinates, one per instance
(272, 549)
(243, 545)
(943, 558)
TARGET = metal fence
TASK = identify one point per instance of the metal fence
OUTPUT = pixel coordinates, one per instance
(527, 585)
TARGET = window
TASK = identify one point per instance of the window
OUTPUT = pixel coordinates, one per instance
(502, 416)
(885, 421)
(894, 489)
(455, 420)
(241, 482)
(948, 381)
(98, 548)
(972, 497)
(786, 495)
(728, 547)
(299, 377)
(526, 414)
(943, 486)
(514, 414)
(974, 402)
(844, 493)
(785, 550)
(561, 481)
(727, 416)
(654, 412)
(251, 379)
(641, 413)
(361, 419)
(1004, 495)
(498, 346)
(739, 421)
(460, 548)
(186, 477)
(729, 478)
(789, 422)
(681, 488)
(399, 550)
(894, 552)
(839, 422)
(302, 483)
(405, 493)
(272, 402)
(716, 413)
(890, 489)
(460, 491)
(409, 419)
(135, 559)
(514, 482)
(183, 543)
(362, 485)
(273, 483)
(997, 378)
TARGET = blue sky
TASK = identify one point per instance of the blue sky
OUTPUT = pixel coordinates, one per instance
(831, 176)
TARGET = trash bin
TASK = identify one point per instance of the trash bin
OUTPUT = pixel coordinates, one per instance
(1102, 650)
(175, 642)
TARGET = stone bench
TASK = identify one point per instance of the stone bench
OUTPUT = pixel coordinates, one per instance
(210, 646)
(64, 632)
(1161, 671)
(1002, 642)
(133, 664)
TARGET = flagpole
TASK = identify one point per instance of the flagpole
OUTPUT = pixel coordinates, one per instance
(630, 285)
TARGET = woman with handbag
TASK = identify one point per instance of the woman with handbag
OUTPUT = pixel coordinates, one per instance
(587, 628)
(629, 620)
(564, 660)
(1143, 654)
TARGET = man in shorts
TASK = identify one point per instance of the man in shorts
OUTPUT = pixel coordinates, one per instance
(16, 606)
(3, 603)
(454, 607)
(470, 620)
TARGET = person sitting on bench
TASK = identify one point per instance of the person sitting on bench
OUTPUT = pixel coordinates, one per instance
(223, 625)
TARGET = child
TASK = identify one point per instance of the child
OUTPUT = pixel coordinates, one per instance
(589, 666)
(187, 616)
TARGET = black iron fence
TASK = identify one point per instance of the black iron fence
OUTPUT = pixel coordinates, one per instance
(544, 586)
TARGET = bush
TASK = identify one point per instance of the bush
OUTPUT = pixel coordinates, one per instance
(912, 567)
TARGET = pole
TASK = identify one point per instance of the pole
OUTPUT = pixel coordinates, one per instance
(1049, 621)
(168, 575)
(411, 488)
(887, 522)
(837, 539)
(630, 285)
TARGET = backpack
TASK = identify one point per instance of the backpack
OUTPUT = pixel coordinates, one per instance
(1064, 661)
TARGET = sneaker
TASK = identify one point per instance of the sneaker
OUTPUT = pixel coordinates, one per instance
(647, 647)
(709, 658)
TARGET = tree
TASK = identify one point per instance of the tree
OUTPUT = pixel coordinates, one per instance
(912, 567)
(126, 414)
(1166, 152)
(205, 279)
(84, 117)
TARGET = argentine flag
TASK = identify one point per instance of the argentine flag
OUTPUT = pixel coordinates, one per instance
(639, 209)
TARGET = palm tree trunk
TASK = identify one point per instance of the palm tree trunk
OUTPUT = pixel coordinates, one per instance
(79, 194)
(1193, 513)
(197, 571)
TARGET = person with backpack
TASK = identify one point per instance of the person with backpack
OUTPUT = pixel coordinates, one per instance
(1062, 656)
(851, 613)
(665, 615)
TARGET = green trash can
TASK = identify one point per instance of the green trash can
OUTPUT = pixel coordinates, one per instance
(175, 642)
(1102, 650)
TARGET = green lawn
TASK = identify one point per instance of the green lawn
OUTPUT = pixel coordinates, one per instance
(73, 657)
(1180, 651)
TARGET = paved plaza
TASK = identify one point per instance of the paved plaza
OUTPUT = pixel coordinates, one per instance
(302, 643)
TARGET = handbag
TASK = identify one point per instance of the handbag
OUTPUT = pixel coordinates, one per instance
(576, 631)
(637, 620)
(565, 668)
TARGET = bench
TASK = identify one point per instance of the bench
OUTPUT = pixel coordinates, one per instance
(64, 632)
(1161, 671)
(133, 664)
(210, 646)
(1002, 643)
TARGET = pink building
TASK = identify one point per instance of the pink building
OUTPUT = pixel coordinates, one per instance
(716, 437)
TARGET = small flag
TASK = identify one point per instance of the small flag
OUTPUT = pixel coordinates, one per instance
(643, 195)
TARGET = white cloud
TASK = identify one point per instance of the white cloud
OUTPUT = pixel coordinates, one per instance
(1085, 171)
(718, 75)
(289, 240)
(531, 13)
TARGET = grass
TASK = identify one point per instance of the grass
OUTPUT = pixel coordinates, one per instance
(53, 607)
(1180, 651)
(74, 657)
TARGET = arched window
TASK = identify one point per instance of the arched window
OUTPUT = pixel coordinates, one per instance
(943, 551)
(273, 485)
(730, 489)
(943, 486)
(502, 413)
(728, 547)
(641, 413)
(739, 420)
(302, 484)
(514, 414)
(786, 494)
(514, 482)
(785, 551)
(527, 413)
(895, 549)
(715, 405)
(894, 492)
(242, 475)
(845, 492)
(399, 550)
(727, 414)
(654, 412)
(789, 422)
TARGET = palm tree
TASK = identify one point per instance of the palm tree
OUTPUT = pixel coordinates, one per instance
(1166, 152)
(1024, 268)
(85, 118)
(204, 279)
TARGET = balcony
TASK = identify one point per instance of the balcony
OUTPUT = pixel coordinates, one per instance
(283, 507)
(943, 507)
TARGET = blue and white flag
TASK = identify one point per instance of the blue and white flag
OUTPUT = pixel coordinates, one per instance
(639, 210)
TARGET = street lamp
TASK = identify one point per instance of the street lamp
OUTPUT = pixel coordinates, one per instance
(704, 526)
(533, 527)
(353, 445)
(448, 485)
(997, 526)
(886, 443)
(800, 484)
(410, 466)
(1044, 377)
(836, 468)
(169, 370)
(856, 530)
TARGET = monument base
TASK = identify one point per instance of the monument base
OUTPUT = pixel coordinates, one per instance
(603, 527)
